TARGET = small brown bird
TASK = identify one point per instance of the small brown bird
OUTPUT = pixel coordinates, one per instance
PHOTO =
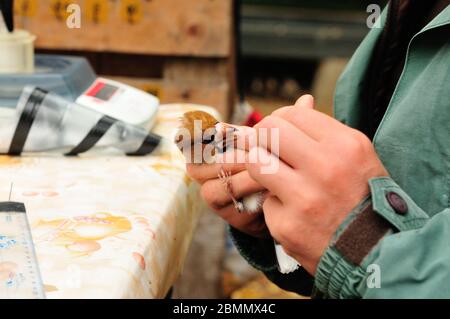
(218, 136)
(201, 129)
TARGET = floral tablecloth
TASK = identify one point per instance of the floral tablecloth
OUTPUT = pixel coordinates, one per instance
(108, 226)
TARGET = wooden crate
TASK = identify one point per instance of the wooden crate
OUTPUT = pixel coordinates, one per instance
(164, 27)
(188, 81)
(184, 48)
(167, 92)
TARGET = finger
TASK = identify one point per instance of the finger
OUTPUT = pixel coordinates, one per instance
(225, 127)
(245, 138)
(251, 224)
(231, 156)
(232, 161)
(313, 123)
(271, 173)
(286, 141)
(281, 111)
(306, 101)
(272, 206)
(216, 195)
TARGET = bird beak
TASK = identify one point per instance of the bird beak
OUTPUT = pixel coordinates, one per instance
(226, 136)
(225, 128)
(229, 128)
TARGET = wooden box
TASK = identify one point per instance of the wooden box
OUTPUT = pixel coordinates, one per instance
(159, 27)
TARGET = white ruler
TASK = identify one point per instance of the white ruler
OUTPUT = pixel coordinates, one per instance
(19, 270)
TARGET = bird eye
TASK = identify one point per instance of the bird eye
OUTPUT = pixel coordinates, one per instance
(208, 140)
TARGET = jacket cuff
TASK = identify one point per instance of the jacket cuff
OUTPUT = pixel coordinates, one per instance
(388, 209)
(258, 252)
(392, 203)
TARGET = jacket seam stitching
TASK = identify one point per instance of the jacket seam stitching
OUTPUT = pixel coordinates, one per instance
(345, 278)
(330, 275)
(328, 288)
(448, 181)
(407, 63)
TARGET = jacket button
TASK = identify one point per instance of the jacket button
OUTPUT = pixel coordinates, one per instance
(397, 203)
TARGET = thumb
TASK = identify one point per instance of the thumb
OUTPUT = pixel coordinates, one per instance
(306, 100)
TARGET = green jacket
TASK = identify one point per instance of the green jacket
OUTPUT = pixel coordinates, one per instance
(412, 260)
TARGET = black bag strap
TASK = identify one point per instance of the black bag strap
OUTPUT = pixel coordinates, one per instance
(150, 143)
(26, 121)
(94, 135)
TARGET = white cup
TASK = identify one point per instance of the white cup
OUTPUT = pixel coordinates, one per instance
(16, 52)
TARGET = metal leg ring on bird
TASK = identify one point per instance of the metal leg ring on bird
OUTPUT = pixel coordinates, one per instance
(225, 177)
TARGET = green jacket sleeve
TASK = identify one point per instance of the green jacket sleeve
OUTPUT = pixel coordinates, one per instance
(260, 253)
(410, 260)
(397, 252)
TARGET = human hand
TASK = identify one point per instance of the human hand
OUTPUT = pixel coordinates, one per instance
(323, 172)
(213, 192)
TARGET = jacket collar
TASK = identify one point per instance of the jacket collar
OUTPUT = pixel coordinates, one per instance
(440, 20)
(347, 98)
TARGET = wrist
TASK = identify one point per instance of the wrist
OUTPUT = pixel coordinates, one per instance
(352, 244)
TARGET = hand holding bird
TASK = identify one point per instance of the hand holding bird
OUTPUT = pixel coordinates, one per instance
(199, 131)
(226, 186)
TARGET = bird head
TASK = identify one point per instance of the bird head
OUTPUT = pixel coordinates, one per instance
(198, 127)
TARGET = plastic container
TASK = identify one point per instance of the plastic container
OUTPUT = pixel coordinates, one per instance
(66, 76)
(46, 122)
(16, 52)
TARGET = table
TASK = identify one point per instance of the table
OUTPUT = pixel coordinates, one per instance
(108, 226)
